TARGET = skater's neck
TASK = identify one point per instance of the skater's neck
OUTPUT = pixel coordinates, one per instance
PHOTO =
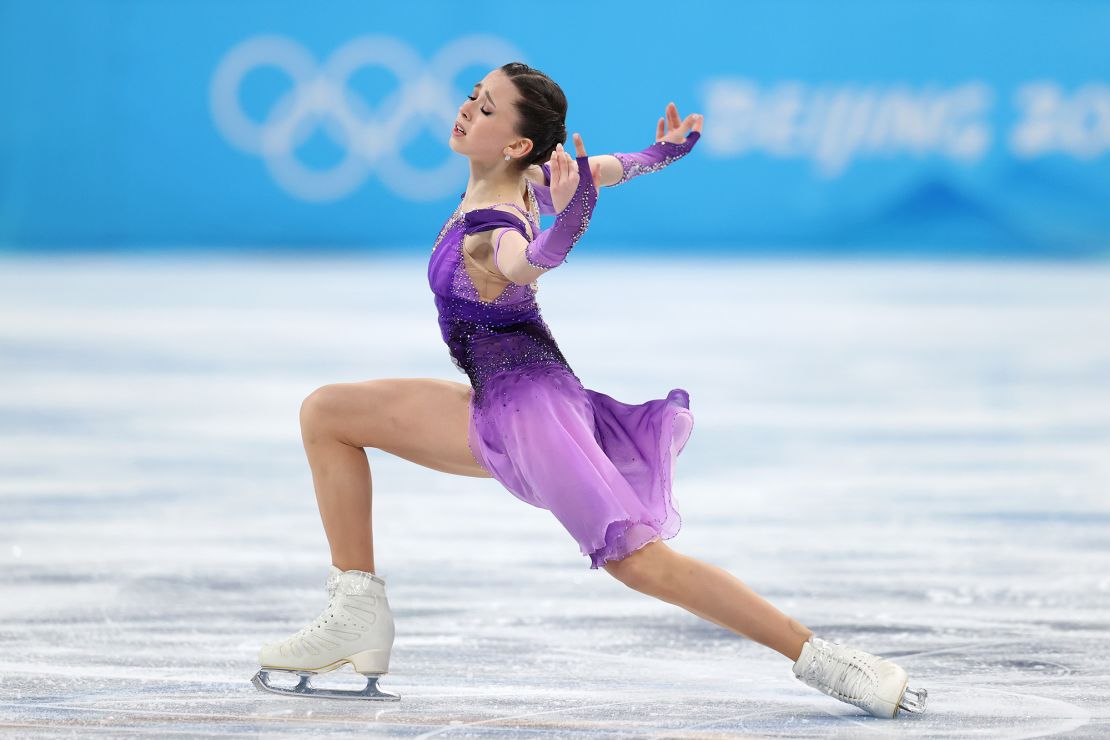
(489, 185)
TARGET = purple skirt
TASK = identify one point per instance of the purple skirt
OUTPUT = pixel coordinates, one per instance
(602, 467)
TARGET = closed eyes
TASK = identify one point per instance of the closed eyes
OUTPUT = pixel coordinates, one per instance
(488, 113)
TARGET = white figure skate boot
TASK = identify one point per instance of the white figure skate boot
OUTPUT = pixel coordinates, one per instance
(874, 684)
(356, 628)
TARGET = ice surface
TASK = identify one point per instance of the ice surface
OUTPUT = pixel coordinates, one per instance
(912, 457)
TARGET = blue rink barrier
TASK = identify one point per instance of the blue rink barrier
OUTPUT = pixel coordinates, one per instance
(944, 127)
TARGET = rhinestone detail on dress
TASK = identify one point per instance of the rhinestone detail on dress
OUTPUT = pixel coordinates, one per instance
(486, 338)
(654, 158)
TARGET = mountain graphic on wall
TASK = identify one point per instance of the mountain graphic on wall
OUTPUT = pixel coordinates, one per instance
(936, 215)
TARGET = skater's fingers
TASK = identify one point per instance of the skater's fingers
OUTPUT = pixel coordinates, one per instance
(579, 145)
(672, 116)
(560, 165)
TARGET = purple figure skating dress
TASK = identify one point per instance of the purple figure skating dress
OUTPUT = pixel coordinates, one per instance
(604, 468)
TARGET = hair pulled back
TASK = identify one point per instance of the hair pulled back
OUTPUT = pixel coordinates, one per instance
(542, 110)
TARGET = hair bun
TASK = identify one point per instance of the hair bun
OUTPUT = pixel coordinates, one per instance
(542, 110)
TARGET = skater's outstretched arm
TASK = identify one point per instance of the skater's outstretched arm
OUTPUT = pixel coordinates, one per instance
(670, 146)
(620, 167)
(573, 196)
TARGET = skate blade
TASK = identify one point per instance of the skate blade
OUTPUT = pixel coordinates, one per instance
(261, 681)
(913, 700)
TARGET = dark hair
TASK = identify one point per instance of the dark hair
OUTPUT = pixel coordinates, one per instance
(542, 108)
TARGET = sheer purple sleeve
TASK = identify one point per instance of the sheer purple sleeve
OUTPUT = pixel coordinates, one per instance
(543, 192)
(551, 247)
(654, 158)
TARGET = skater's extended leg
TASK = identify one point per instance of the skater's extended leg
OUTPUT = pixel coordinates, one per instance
(424, 420)
(711, 593)
(874, 684)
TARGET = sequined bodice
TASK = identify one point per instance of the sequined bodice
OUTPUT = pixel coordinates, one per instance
(485, 338)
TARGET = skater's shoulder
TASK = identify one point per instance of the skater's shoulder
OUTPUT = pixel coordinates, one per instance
(518, 219)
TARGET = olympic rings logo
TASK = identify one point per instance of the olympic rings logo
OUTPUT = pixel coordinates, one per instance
(321, 98)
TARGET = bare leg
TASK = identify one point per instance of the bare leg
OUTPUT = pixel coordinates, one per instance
(341, 477)
(710, 593)
(424, 420)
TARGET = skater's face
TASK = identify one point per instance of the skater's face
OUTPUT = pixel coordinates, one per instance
(489, 120)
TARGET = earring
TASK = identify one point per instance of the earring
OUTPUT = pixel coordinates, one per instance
(506, 157)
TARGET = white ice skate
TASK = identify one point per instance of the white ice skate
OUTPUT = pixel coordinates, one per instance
(356, 628)
(874, 684)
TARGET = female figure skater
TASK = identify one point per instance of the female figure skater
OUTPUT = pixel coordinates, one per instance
(602, 467)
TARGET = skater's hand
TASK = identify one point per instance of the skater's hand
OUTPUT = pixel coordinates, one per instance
(677, 129)
(565, 175)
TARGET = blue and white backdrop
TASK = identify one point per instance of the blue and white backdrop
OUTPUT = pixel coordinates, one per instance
(943, 127)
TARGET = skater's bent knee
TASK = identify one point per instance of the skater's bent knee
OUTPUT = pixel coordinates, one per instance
(358, 414)
(320, 407)
(315, 403)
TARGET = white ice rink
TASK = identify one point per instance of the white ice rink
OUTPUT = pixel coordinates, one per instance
(910, 457)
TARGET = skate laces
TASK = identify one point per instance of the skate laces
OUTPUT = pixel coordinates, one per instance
(842, 672)
(316, 624)
(332, 587)
(352, 587)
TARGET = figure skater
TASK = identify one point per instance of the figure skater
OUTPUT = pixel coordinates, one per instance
(603, 468)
